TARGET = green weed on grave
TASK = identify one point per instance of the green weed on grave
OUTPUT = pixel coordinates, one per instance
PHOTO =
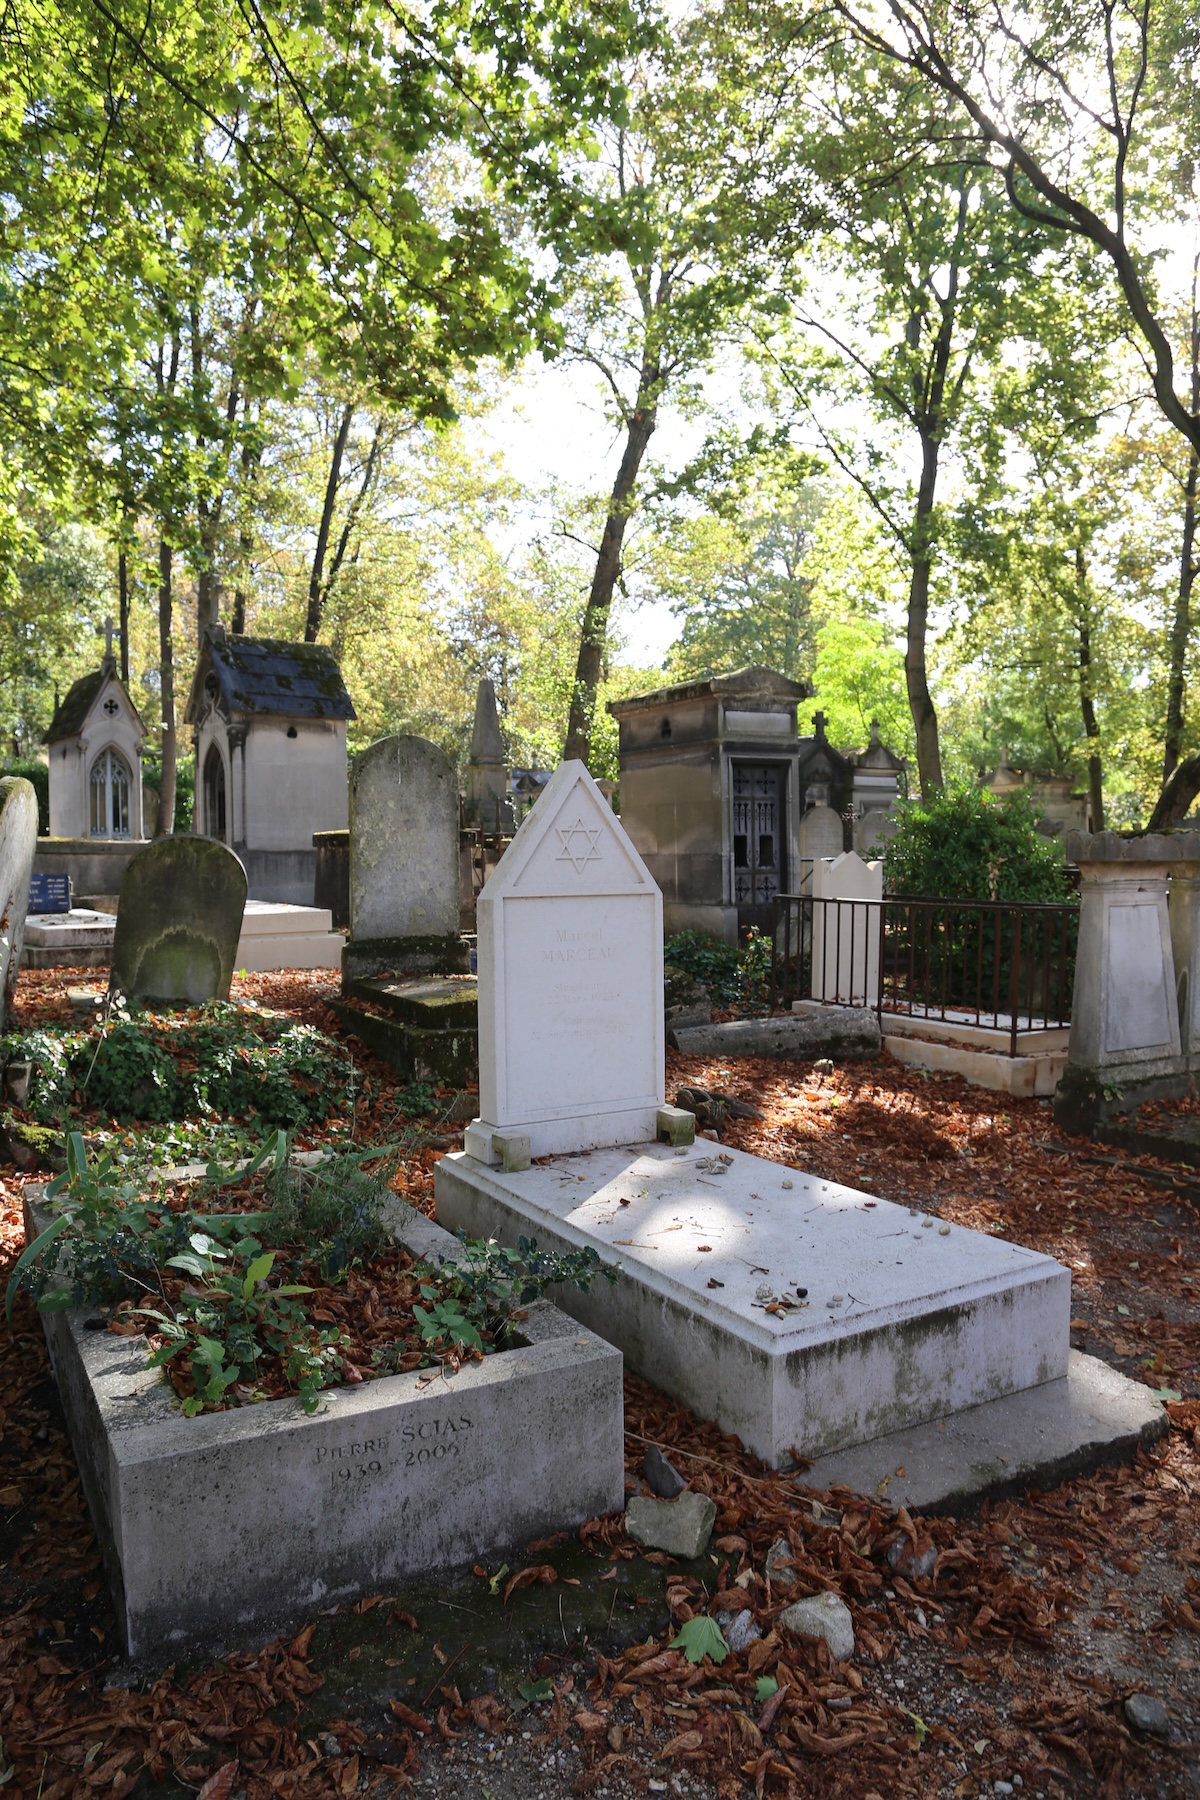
(241, 1305)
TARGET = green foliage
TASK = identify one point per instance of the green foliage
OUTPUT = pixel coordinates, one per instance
(701, 1637)
(38, 776)
(232, 1061)
(474, 1301)
(733, 974)
(965, 844)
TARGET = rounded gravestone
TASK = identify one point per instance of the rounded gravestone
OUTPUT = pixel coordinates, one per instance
(178, 922)
(18, 841)
(404, 879)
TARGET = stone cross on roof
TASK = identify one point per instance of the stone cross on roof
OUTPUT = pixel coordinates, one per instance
(106, 632)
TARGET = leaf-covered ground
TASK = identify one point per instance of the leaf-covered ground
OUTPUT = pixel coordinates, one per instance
(1010, 1665)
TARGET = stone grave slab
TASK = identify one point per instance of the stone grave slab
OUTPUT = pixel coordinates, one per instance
(79, 939)
(278, 935)
(1090, 1416)
(18, 841)
(570, 981)
(393, 1478)
(906, 1319)
(179, 921)
(426, 1029)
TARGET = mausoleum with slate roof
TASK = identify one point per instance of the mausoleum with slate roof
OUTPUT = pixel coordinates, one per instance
(269, 726)
(95, 749)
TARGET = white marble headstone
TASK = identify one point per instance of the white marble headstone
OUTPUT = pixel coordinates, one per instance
(570, 982)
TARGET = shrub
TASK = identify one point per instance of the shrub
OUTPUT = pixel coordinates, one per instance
(733, 974)
(222, 1060)
(38, 776)
(966, 844)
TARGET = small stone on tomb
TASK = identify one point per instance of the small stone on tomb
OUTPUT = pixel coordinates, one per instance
(925, 1224)
(943, 1231)
(787, 1184)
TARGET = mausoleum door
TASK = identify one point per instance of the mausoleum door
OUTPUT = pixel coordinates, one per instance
(108, 797)
(757, 792)
(214, 794)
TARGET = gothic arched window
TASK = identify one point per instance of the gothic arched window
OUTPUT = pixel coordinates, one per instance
(110, 795)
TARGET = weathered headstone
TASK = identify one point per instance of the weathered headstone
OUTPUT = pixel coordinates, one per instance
(821, 835)
(875, 831)
(178, 922)
(1126, 1045)
(404, 878)
(18, 841)
(570, 984)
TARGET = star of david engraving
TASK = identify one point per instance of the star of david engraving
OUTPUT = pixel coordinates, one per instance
(579, 844)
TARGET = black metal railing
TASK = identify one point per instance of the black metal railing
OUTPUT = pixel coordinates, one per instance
(1009, 966)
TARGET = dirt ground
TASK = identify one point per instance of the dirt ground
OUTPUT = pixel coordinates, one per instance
(1005, 1670)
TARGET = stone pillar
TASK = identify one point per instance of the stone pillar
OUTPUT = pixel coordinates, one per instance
(235, 800)
(1184, 909)
(486, 798)
(1125, 1039)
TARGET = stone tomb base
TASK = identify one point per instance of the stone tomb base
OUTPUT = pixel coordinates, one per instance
(244, 1521)
(276, 935)
(906, 1319)
(79, 939)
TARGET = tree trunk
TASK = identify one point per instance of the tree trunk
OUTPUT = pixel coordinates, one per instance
(1176, 798)
(1181, 622)
(251, 458)
(594, 633)
(1087, 705)
(916, 674)
(316, 588)
(166, 651)
(123, 608)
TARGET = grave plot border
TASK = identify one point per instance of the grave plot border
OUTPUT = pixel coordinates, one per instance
(238, 1523)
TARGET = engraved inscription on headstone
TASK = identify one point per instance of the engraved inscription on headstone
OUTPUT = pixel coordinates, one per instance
(570, 981)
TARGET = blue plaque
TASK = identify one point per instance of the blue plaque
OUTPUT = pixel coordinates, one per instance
(50, 894)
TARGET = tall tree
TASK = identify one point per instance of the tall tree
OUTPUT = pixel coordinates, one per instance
(664, 261)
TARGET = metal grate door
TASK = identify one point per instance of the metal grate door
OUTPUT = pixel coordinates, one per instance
(757, 795)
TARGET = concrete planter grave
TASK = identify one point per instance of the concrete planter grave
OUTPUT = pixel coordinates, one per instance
(242, 1521)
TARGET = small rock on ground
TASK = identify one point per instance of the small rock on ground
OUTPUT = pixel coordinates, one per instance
(662, 1476)
(823, 1616)
(679, 1527)
(1145, 1713)
(739, 1629)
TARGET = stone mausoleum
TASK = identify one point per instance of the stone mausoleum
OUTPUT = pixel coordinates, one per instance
(728, 804)
(95, 760)
(269, 727)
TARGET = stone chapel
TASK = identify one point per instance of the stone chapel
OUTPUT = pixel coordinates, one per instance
(95, 744)
(269, 726)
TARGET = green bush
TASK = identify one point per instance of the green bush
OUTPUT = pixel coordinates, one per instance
(38, 775)
(733, 974)
(226, 1061)
(965, 844)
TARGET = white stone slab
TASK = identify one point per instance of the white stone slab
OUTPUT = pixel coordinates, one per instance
(570, 981)
(286, 1512)
(277, 935)
(905, 1321)
(278, 918)
(80, 926)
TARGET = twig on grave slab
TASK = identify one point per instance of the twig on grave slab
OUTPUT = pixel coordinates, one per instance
(437, 1684)
(730, 1468)
(561, 1626)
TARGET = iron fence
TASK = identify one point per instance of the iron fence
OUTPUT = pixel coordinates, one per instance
(1008, 966)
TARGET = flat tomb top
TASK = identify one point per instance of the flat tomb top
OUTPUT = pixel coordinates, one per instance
(267, 918)
(80, 925)
(731, 1244)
